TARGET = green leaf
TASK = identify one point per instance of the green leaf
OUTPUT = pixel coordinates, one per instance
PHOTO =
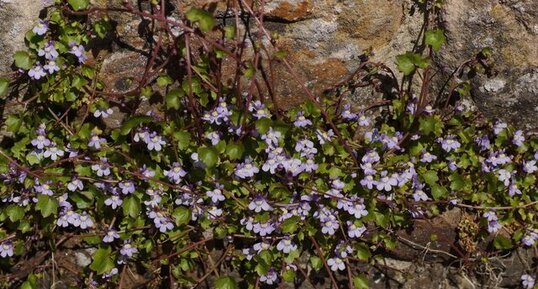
(235, 151)
(4, 85)
(456, 182)
(360, 282)
(101, 27)
(13, 123)
(79, 4)
(131, 206)
(405, 63)
(430, 177)
(208, 156)
(288, 276)
(205, 20)
(133, 122)
(262, 125)
(183, 139)
(102, 261)
(290, 225)
(225, 282)
(15, 213)
(173, 98)
(502, 243)
(363, 251)
(182, 215)
(164, 80)
(316, 262)
(438, 192)
(229, 32)
(23, 60)
(46, 205)
(435, 38)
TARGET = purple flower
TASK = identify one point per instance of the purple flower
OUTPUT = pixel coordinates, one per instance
(43, 189)
(128, 250)
(483, 142)
(259, 204)
(449, 143)
(301, 120)
(53, 152)
(104, 113)
(364, 120)
(305, 148)
(51, 67)
(368, 182)
(103, 168)
(270, 278)
(386, 183)
(246, 170)
(498, 127)
(528, 281)
(420, 195)
(127, 187)
(286, 245)
(355, 231)
(36, 72)
(114, 202)
(370, 157)
(347, 114)
(41, 141)
(215, 195)
(336, 264)
(75, 184)
(513, 190)
(357, 207)
(62, 201)
(518, 138)
(41, 28)
(504, 176)
(49, 51)
(309, 166)
(96, 141)
(85, 221)
(529, 166)
(271, 137)
(529, 239)
(176, 173)
(218, 115)
(78, 51)
(323, 136)
(427, 157)
(493, 224)
(368, 169)
(110, 236)
(6, 249)
(214, 137)
(263, 229)
(161, 221)
(155, 142)
(259, 247)
(259, 110)
(214, 212)
(329, 225)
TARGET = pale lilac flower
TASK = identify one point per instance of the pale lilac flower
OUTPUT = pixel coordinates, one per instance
(427, 157)
(364, 120)
(176, 173)
(336, 264)
(483, 142)
(370, 157)
(6, 249)
(323, 136)
(293, 167)
(51, 67)
(420, 195)
(49, 51)
(301, 120)
(108, 276)
(386, 183)
(214, 212)
(215, 195)
(114, 201)
(263, 229)
(75, 184)
(529, 166)
(528, 281)
(329, 225)
(498, 158)
(41, 28)
(72, 218)
(218, 115)
(103, 168)
(40, 142)
(78, 51)
(347, 114)
(155, 142)
(498, 127)
(259, 204)
(368, 169)
(529, 239)
(518, 138)
(62, 201)
(309, 166)
(305, 148)
(449, 143)
(85, 221)
(513, 190)
(355, 231)
(128, 250)
(96, 141)
(504, 176)
(368, 182)
(43, 189)
(261, 246)
(271, 137)
(259, 110)
(493, 224)
(36, 72)
(286, 245)
(53, 152)
(270, 278)
(357, 208)
(214, 137)
(104, 113)
(342, 250)
(246, 170)
(110, 236)
(127, 187)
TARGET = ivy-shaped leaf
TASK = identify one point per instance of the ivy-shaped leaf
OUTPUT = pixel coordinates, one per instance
(435, 38)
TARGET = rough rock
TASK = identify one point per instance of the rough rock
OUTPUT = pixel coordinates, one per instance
(510, 29)
(18, 16)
